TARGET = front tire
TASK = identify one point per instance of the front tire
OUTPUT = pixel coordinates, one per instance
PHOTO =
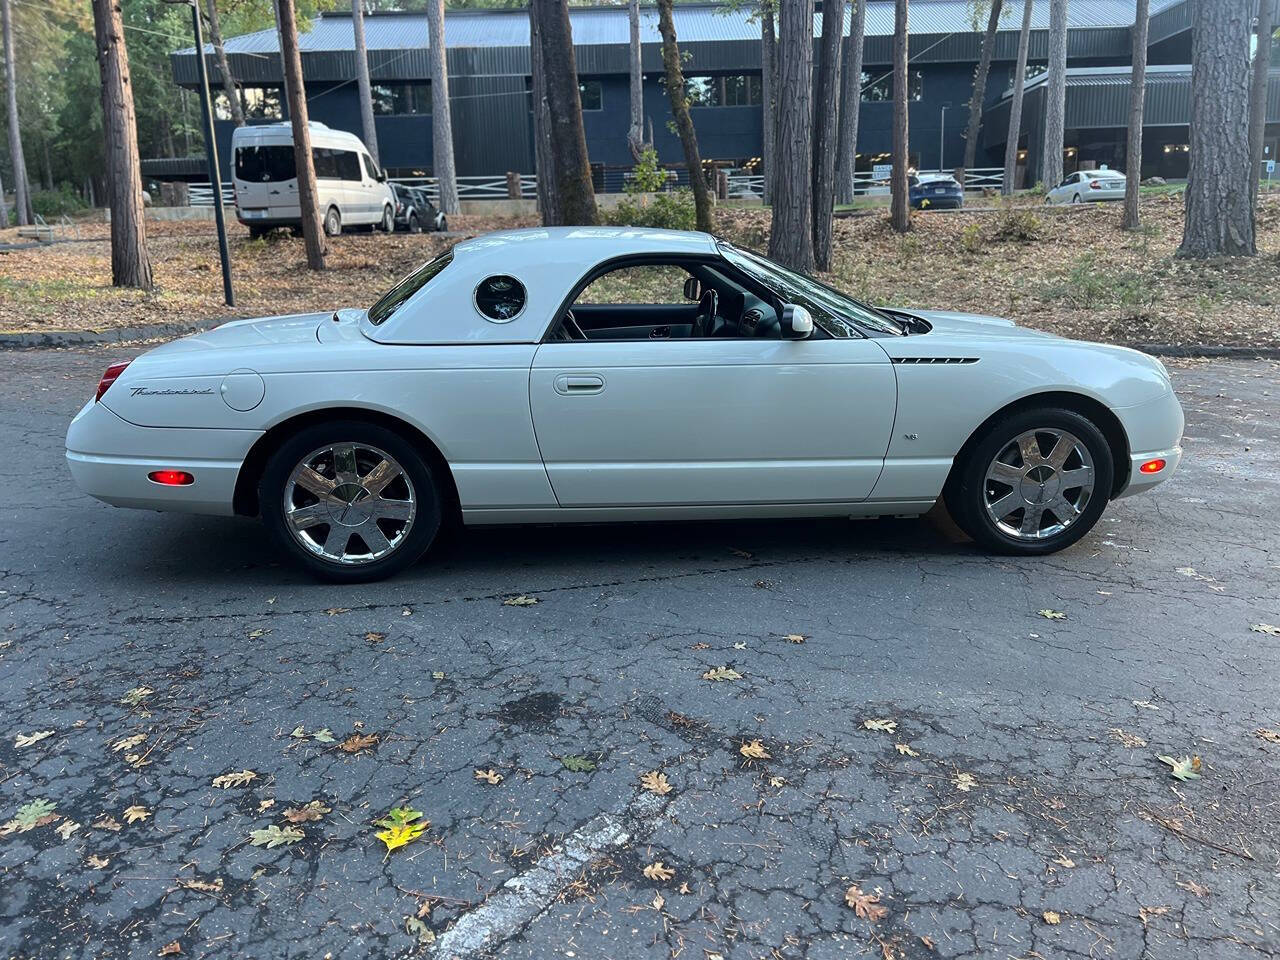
(350, 501)
(1034, 483)
(415, 225)
(332, 222)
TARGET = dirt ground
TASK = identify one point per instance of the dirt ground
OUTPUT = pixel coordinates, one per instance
(1070, 271)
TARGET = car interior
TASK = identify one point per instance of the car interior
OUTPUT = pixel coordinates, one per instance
(669, 300)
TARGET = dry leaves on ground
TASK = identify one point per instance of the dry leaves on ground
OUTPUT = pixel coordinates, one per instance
(659, 871)
(275, 836)
(880, 724)
(1271, 736)
(905, 750)
(755, 750)
(135, 813)
(655, 781)
(21, 740)
(241, 778)
(722, 674)
(1186, 768)
(310, 811)
(520, 601)
(489, 776)
(1052, 614)
(401, 825)
(964, 782)
(1051, 917)
(358, 741)
(865, 905)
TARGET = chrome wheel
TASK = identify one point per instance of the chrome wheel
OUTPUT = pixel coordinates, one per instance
(349, 503)
(1038, 484)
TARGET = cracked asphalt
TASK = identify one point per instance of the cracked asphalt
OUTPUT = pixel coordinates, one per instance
(1019, 786)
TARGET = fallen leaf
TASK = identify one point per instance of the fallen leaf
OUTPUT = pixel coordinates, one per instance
(865, 905)
(1271, 736)
(520, 601)
(740, 646)
(358, 741)
(108, 822)
(258, 634)
(66, 828)
(401, 825)
(128, 743)
(32, 814)
(1184, 769)
(881, 725)
(776, 782)
(406, 612)
(419, 930)
(1191, 886)
(1266, 628)
(372, 637)
(721, 674)
(684, 890)
(794, 638)
(310, 811)
(274, 836)
(655, 781)
(1131, 740)
(437, 674)
(1052, 614)
(755, 751)
(203, 886)
(136, 696)
(424, 909)
(135, 813)
(905, 750)
(659, 871)
(241, 779)
(171, 949)
(577, 764)
(490, 776)
(97, 862)
(27, 739)
(1051, 917)
(1145, 704)
(701, 645)
(334, 611)
(964, 782)
(1063, 860)
(658, 901)
(1146, 913)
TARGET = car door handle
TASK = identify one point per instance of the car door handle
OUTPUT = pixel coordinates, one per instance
(578, 383)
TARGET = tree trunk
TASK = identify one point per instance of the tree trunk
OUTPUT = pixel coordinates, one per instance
(442, 164)
(791, 235)
(365, 92)
(4, 207)
(544, 163)
(1015, 105)
(130, 262)
(224, 70)
(1055, 96)
(900, 213)
(575, 199)
(635, 133)
(680, 111)
(1219, 212)
(980, 89)
(1137, 102)
(768, 94)
(850, 105)
(1258, 96)
(21, 185)
(825, 121)
(308, 199)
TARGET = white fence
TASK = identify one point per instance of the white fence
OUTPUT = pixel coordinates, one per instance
(469, 188)
(866, 182)
(201, 195)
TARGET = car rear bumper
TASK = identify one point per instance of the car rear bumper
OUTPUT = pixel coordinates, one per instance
(110, 458)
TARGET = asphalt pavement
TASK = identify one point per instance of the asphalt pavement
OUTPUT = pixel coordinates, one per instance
(873, 739)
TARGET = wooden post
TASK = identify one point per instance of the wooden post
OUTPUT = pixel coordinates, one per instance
(513, 185)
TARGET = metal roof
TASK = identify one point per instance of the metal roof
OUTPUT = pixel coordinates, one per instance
(695, 23)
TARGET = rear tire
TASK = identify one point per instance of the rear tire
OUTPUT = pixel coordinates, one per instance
(327, 503)
(1017, 491)
(332, 222)
(415, 225)
(388, 224)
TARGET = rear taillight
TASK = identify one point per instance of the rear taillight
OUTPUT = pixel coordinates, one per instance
(110, 377)
(1095, 184)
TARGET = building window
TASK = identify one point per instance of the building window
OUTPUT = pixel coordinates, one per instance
(592, 94)
(260, 103)
(879, 88)
(733, 90)
(1035, 69)
(400, 99)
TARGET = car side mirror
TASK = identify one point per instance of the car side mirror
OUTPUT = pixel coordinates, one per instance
(797, 321)
(692, 289)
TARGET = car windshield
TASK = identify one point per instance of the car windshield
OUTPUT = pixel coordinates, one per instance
(839, 315)
(395, 298)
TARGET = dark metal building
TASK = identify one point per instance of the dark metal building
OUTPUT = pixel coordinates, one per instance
(488, 58)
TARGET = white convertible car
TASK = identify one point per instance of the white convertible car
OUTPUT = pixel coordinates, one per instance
(596, 374)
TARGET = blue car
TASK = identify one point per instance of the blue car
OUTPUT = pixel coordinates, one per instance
(936, 193)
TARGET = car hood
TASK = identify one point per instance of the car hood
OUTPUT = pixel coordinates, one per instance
(972, 324)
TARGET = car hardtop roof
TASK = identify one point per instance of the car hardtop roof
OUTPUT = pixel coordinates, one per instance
(548, 244)
(282, 132)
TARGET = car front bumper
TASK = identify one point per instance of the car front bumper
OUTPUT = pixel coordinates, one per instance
(1154, 431)
(110, 459)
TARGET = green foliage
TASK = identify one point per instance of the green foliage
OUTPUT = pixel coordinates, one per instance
(646, 175)
(56, 203)
(664, 211)
(1090, 284)
(1017, 225)
(972, 239)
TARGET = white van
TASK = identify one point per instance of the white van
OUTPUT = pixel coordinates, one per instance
(352, 190)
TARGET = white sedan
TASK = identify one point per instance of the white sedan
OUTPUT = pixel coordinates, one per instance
(597, 374)
(1088, 186)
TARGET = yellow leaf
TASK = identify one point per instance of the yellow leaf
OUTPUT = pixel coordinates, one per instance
(490, 776)
(400, 834)
(720, 674)
(865, 905)
(1051, 917)
(755, 751)
(520, 601)
(1052, 614)
(241, 779)
(659, 871)
(135, 813)
(656, 782)
(203, 886)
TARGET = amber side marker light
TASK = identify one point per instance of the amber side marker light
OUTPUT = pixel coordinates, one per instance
(1152, 466)
(171, 478)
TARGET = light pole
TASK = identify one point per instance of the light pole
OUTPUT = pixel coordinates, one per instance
(211, 151)
(942, 140)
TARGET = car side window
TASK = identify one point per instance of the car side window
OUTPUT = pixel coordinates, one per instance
(657, 284)
(369, 168)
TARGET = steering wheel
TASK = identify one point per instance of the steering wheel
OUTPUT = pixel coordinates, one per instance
(704, 319)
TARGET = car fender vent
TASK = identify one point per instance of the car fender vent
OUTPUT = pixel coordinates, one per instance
(934, 360)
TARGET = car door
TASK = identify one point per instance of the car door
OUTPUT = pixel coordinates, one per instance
(714, 421)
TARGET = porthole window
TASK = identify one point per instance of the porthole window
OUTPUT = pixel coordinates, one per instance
(500, 298)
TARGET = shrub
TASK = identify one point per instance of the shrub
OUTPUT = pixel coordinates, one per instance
(664, 211)
(971, 238)
(1019, 225)
(646, 175)
(54, 203)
